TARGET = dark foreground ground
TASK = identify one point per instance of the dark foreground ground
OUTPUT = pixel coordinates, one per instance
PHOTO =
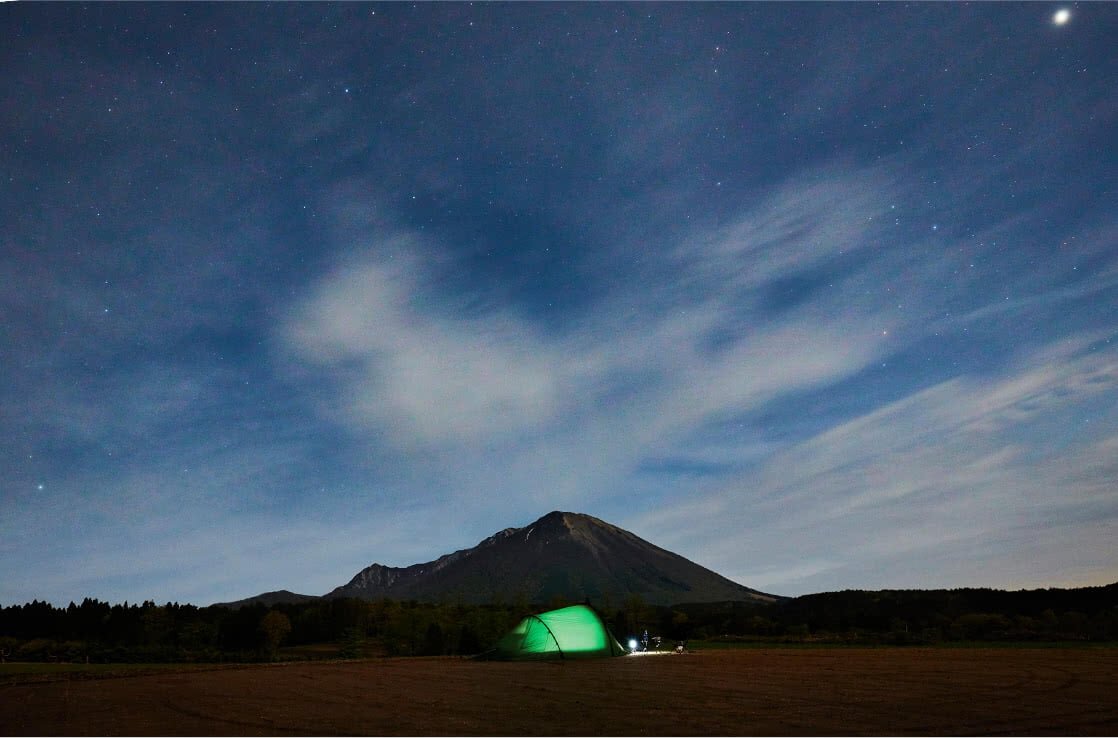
(778, 691)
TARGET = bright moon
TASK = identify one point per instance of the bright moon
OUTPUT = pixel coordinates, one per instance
(1062, 16)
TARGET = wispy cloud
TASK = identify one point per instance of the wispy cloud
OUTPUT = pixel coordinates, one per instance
(575, 413)
(423, 374)
(943, 472)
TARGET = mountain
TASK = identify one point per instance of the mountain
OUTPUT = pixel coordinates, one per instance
(563, 554)
(268, 599)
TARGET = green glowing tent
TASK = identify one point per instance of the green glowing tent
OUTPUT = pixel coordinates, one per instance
(575, 632)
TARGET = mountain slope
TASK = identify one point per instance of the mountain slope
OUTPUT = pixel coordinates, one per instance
(562, 554)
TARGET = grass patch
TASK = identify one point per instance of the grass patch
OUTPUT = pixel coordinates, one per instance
(745, 645)
(721, 645)
(24, 673)
(310, 652)
(1072, 645)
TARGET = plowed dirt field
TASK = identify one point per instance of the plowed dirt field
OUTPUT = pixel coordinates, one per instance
(774, 692)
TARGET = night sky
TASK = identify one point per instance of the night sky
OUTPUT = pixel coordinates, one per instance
(819, 296)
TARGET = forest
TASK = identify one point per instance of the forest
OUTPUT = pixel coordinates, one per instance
(99, 632)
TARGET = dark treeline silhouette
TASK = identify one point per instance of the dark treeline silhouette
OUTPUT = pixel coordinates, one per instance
(918, 616)
(96, 631)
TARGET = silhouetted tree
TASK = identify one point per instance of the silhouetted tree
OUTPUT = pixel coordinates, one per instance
(468, 642)
(7, 648)
(353, 644)
(274, 627)
(433, 641)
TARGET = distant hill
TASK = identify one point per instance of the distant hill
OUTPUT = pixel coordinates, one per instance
(563, 554)
(268, 599)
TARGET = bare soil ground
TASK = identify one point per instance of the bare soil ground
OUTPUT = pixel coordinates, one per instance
(778, 691)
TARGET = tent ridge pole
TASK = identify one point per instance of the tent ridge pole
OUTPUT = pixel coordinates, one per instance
(557, 646)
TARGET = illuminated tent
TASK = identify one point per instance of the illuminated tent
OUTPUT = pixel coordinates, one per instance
(575, 632)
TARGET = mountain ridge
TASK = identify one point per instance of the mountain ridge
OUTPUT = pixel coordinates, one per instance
(573, 556)
(565, 555)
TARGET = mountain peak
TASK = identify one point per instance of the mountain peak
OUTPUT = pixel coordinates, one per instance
(268, 599)
(557, 518)
(572, 521)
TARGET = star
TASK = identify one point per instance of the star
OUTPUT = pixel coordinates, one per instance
(1061, 17)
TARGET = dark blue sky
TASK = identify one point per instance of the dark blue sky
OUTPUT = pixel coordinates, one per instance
(820, 296)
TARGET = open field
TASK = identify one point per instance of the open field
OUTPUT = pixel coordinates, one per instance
(751, 691)
(36, 672)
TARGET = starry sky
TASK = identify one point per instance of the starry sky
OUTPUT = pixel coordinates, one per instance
(820, 296)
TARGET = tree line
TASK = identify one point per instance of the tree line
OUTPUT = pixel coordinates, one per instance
(96, 631)
(917, 616)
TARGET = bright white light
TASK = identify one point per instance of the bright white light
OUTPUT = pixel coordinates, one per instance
(1061, 16)
(632, 644)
